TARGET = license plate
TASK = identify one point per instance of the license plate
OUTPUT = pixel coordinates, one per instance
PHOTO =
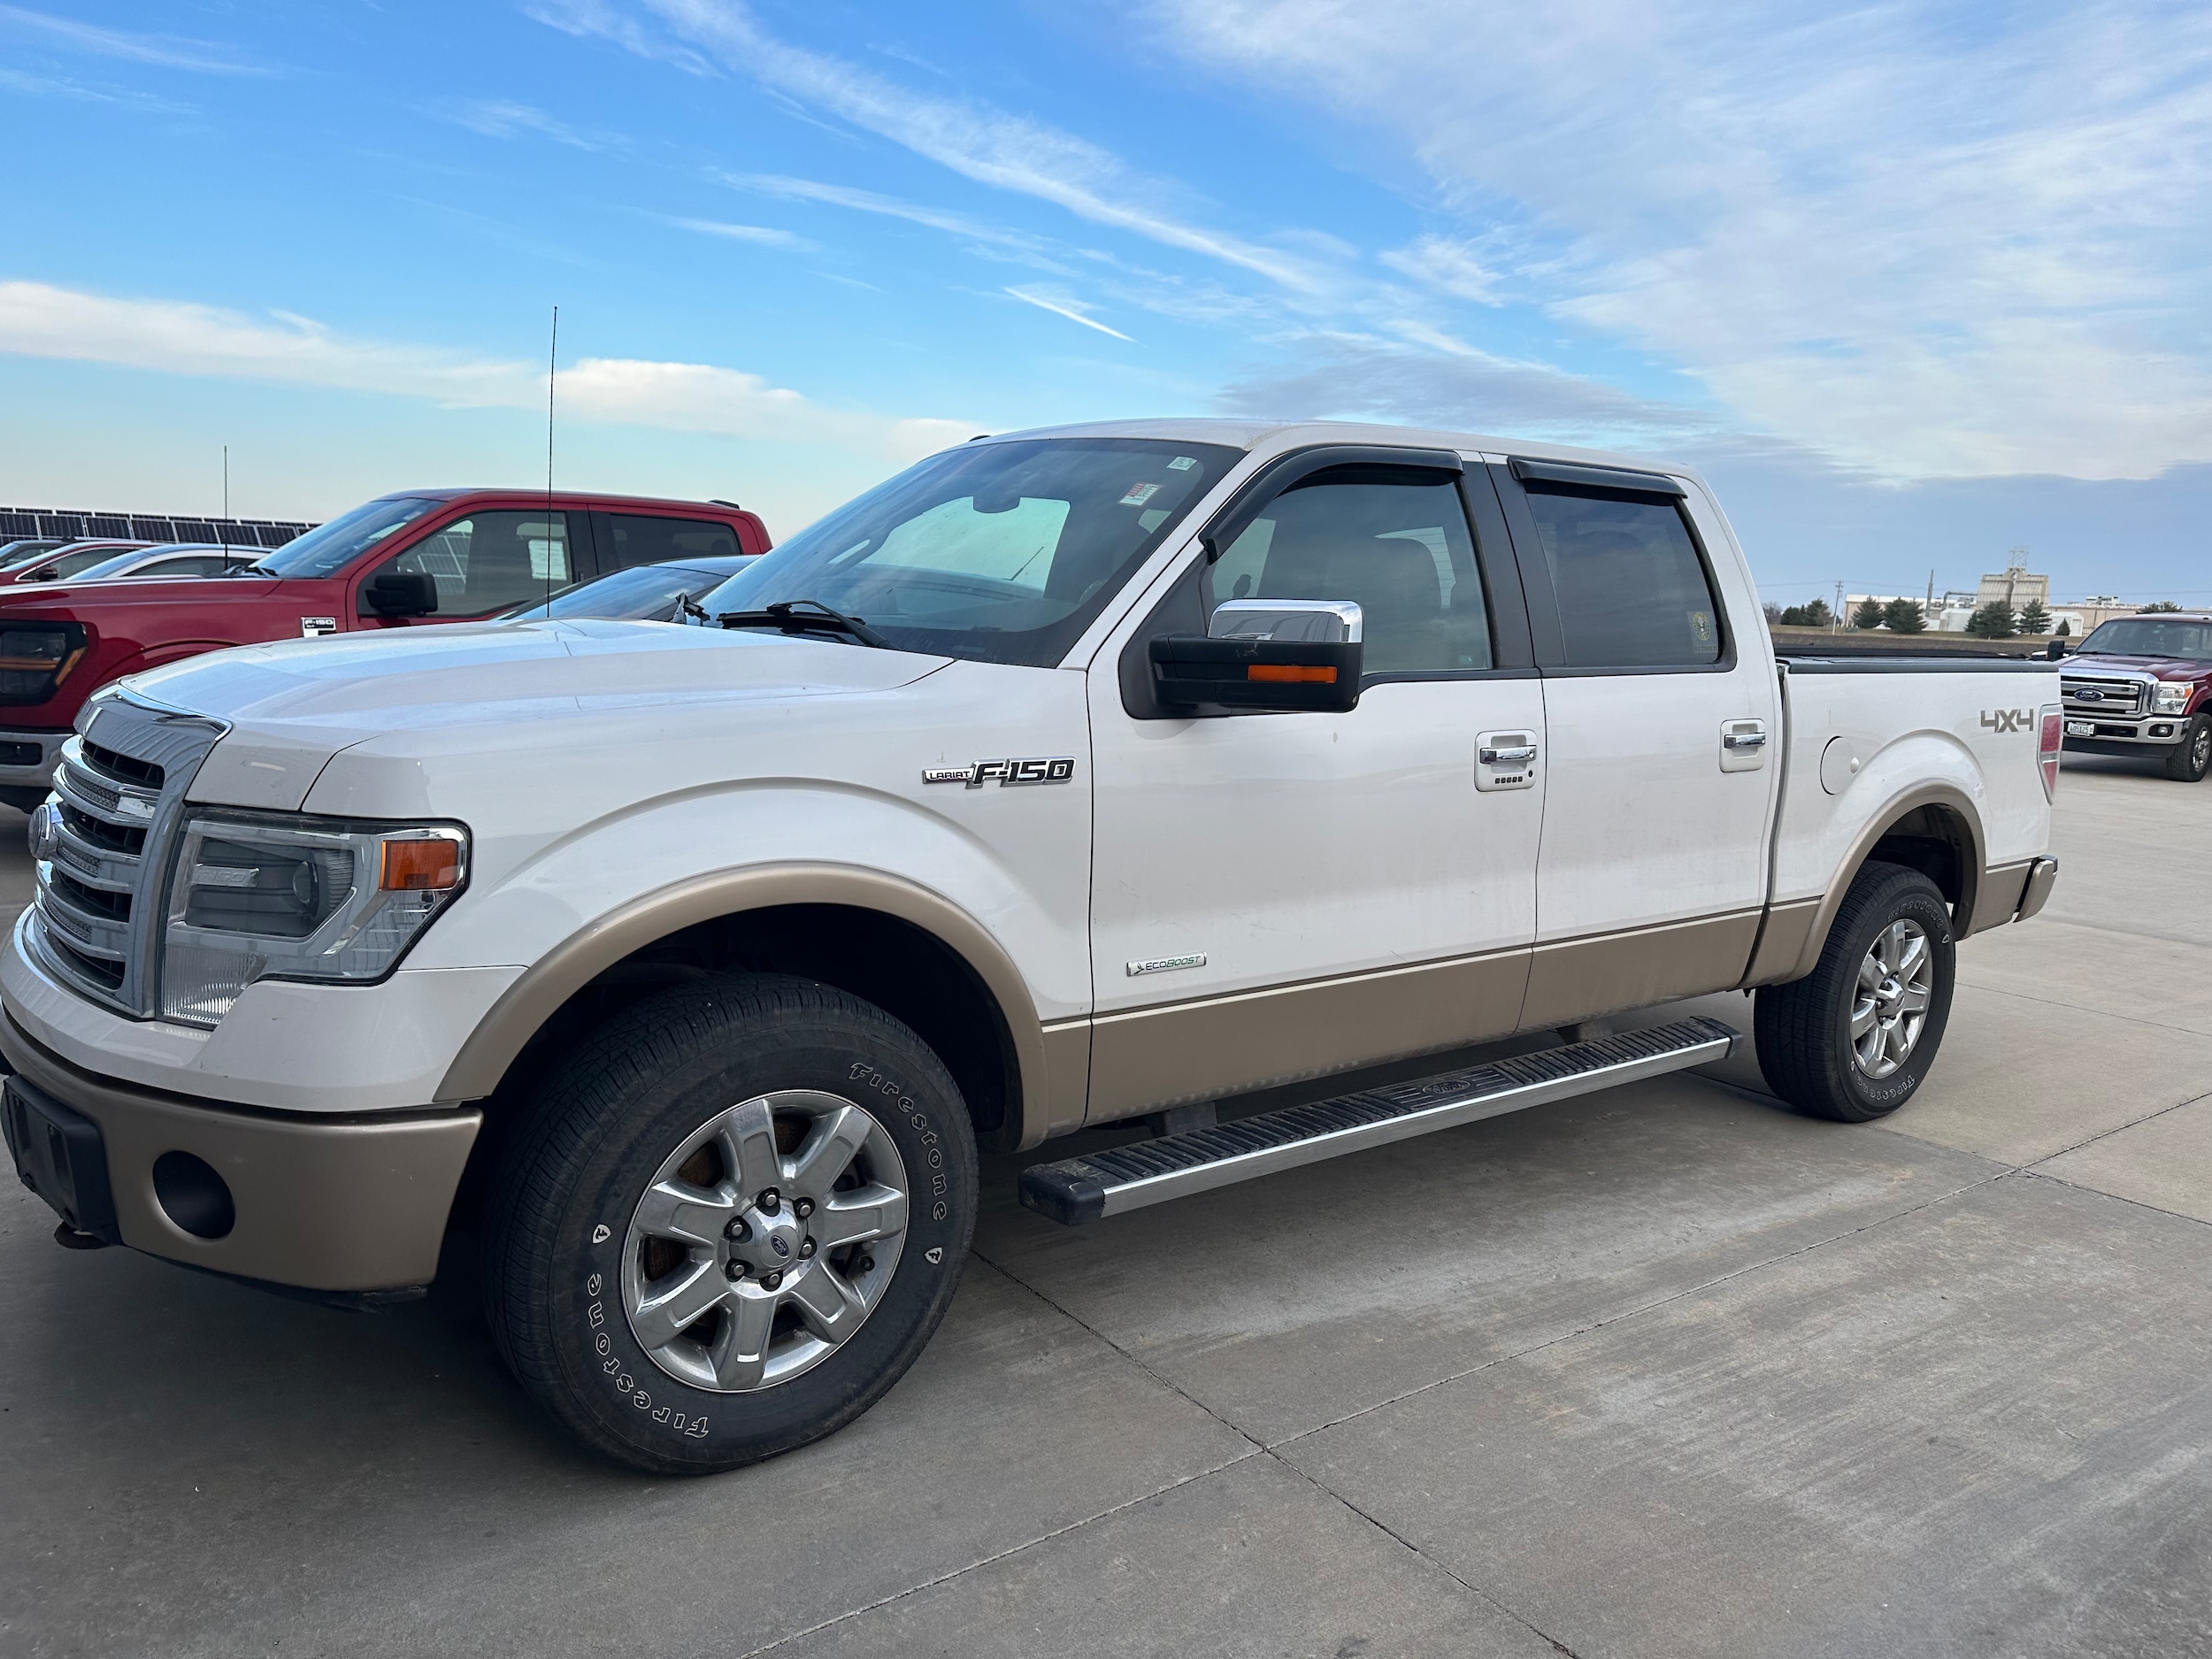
(2079, 728)
(59, 1156)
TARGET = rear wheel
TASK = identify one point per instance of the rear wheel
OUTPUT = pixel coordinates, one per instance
(2191, 758)
(731, 1225)
(1853, 1040)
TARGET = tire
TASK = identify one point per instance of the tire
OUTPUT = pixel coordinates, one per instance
(591, 1280)
(2191, 758)
(1808, 1048)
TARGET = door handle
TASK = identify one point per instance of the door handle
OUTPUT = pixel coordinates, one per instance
(1506, 756)
(1741, 740)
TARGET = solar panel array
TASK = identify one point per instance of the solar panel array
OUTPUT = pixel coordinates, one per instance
(23, 523)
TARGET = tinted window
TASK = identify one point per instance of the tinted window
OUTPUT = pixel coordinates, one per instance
(643, 540)
(329, 547)
(489, 561)
(1632, 591)
(1394, 541)
(2147, 636)
(1001, 552)
(647, 593)
(188, 564)
(71, 565)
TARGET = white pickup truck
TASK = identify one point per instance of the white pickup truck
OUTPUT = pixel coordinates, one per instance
(1096, 775)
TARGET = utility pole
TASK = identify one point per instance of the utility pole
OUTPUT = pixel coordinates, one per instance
(1931, 590)
(1835, 622)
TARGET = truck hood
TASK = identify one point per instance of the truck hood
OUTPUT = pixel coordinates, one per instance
(87, 600)
(294, 705)
(2165, 667)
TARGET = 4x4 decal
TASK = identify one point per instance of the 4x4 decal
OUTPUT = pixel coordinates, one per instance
(2002, 720)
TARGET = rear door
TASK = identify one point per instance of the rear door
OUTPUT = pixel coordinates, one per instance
(627, 536)
(1659, 717)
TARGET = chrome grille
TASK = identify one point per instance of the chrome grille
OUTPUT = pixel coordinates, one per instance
(2100, 695)
(96, 917)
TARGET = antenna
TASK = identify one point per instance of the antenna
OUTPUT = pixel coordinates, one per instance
(223, 535)
(552, 368)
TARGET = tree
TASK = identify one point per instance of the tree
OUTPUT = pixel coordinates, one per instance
(1993, 621)
(2158, 607)
(1817, 615)
(1776, 617)
(1867, 613)
(2063, 630)
(1905, 616)
(2034, 619)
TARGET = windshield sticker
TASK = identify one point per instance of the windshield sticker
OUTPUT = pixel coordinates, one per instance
(1182, 464)
(1140, 494)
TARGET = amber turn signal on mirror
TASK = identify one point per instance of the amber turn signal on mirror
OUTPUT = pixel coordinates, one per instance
(1291, 674)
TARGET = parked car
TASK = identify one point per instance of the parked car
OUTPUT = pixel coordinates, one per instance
(646, 592)
(2142, 686)
(1065, 779)
(61, 563)
(170, 559)
(398, 562)
(23, 551)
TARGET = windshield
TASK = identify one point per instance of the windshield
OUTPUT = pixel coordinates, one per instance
(644, 593)
(329, 547)
(998, 552)
(2153, 636)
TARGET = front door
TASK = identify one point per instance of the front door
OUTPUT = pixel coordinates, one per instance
(1283, 895)
(1659, 721)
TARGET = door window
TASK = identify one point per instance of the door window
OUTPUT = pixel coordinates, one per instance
(1393, 540)
(1632, 588)
(491, 560)
(643, 540)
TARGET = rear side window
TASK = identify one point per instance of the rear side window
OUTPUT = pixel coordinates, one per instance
(641, 540)
(1633, 590)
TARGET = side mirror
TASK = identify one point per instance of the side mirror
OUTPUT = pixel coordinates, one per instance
(1291, 656)
(401, 594)
(2055, 650)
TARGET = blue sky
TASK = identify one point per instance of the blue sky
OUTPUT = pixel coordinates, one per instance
(1913, 284)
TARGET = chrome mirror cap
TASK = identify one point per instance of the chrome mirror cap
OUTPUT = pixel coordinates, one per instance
(1320, 621)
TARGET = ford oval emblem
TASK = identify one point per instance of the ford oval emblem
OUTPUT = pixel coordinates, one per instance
(45, 831)
(779, 1247)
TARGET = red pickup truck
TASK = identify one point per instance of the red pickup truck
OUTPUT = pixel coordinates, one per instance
(399, 561)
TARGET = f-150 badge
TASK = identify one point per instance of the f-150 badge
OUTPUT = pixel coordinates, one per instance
(1008, 772)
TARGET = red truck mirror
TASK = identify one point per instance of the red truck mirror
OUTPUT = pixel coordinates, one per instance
(401, 594)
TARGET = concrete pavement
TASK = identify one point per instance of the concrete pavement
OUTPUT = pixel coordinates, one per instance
(1663, 1372)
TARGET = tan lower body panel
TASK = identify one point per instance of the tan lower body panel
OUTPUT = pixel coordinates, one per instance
(1575, 978)
(1782, 942)
(1997, 895)
(1201, 1050)
(357, 1205)
(1067, 1081)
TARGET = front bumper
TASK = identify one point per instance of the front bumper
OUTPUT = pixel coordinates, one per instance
(2135, 734)
(27, 758)
(350, 1205)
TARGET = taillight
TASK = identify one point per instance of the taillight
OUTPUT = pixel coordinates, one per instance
(2046, 749)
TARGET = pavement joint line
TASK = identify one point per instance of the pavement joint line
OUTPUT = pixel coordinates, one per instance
(2077, 1008)
(982, 1562)
(2030, 1167)
(1261, 1449)
(2117, 1198)
(2001, 1173)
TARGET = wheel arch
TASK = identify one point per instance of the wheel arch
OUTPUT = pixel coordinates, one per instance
(860, 929)
(1932, 827)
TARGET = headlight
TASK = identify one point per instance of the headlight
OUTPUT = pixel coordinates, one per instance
(35, 658)
(292, 898)
(2173, 696)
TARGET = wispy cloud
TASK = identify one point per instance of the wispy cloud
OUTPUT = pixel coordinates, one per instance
(502, 118)
(992, 145)
(35, 86)
(1063, 306)
(1921, 241)
(859, 201)
(178, 337)
(767, 236)
(170, 52)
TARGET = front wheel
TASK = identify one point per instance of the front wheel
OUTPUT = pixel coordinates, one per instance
(1853, 1040)
(2193, 756)
(732, 1223)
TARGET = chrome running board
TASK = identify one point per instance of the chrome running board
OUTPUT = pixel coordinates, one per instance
(1080, 1189)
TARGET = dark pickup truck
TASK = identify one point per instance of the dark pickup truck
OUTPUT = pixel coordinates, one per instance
(399, 561)
(2142, 686)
